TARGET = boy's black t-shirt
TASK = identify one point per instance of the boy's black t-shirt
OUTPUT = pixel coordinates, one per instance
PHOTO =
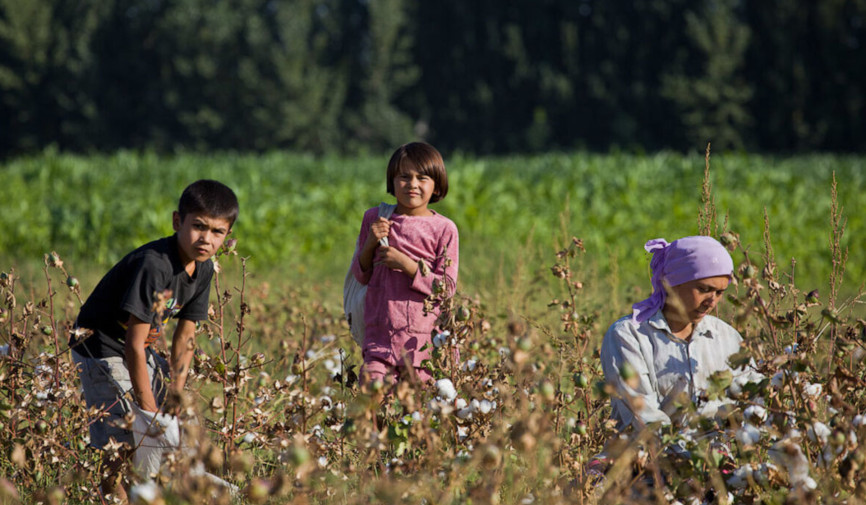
(149, 278)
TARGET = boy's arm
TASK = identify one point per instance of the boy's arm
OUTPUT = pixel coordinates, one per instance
(182, 347)
(136, 362)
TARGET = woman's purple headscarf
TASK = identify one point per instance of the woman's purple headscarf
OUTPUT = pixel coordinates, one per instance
(683, 260)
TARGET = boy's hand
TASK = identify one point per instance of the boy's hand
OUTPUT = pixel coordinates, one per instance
(395, 259)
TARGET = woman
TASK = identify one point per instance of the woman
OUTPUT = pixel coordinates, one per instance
(667, 350)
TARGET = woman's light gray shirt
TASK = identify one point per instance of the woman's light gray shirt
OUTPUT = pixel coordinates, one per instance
(667, 366)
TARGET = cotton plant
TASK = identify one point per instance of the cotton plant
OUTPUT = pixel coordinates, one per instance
(518, 414)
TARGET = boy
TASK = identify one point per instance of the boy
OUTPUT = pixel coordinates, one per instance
(130, 306)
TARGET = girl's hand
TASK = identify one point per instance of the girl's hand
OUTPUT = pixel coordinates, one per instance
(395, 259)
(379, 229)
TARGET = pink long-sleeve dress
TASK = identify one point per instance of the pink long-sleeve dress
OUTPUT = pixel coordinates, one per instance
(396, 327)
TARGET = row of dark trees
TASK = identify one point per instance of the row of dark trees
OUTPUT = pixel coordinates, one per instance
(479, 75)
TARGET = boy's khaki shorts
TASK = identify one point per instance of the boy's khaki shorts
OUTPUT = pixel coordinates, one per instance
(107, 385)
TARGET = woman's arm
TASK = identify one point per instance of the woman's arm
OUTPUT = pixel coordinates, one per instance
(626, 369)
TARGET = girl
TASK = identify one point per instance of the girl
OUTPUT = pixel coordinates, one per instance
(671, 345)
(422, 254)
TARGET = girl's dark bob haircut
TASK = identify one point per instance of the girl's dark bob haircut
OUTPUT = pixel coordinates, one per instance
(426, 160)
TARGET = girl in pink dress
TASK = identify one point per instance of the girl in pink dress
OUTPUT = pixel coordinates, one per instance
(422, 253)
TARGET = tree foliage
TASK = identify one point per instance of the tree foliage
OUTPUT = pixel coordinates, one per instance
(484, 76)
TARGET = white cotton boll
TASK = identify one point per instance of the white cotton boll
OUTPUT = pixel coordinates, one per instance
(465, 413)
(486, 406)
(852, 438)
(687, 435)
(462, 433)
(441, 339)
(762, 474)
(830, 452)
(474, 404)
(748, 435)
(469, 365)
(332, 367)
(859, 420)
(736, 387)
(819, 431)
(809, 483)
(788, 454)
(793, 348)
(812, 390)
(43, 369)
(460, 403)
(755, 412)
(322, 461)
(440, 406)
(711, 407)
(446, 389)
(4, 350)
(416, 416)
(782, 376)
(778, 380)
(146, 492)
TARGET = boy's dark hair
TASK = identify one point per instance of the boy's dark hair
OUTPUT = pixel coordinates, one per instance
(426, 160)
(211, 198)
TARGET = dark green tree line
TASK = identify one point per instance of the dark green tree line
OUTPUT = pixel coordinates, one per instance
(482, 76)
